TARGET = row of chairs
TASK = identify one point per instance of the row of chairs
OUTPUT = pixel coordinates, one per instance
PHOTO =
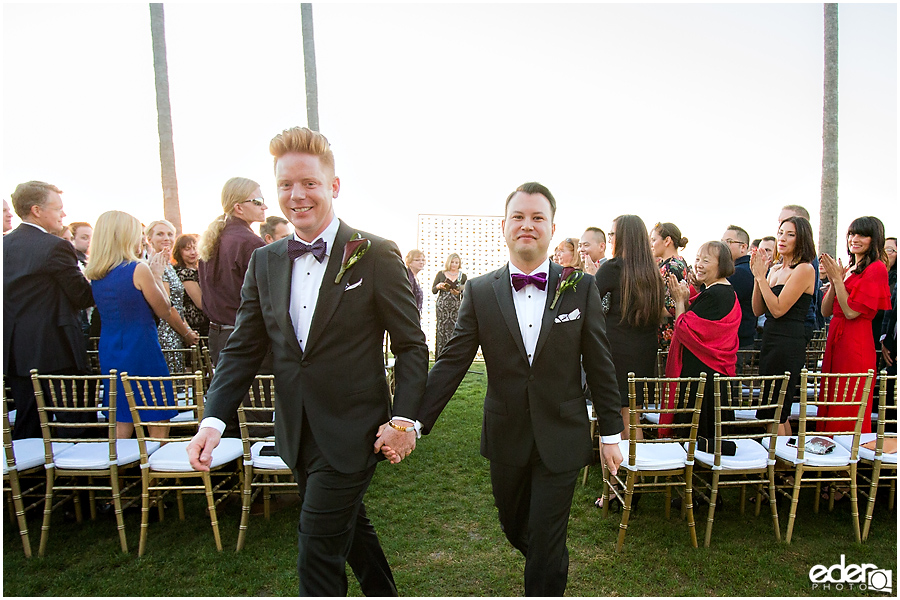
(661, 452)
(79, 452)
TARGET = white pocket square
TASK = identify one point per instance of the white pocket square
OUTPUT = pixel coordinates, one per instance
(351, 286)
(572, 316)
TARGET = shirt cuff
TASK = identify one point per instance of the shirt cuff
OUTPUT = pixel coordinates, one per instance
(215, 423)
(604, 439)
(416, 424)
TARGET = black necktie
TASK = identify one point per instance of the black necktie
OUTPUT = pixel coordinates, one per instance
(539, 280)
(297, 249)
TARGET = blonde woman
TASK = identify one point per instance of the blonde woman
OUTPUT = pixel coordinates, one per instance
(567, 254)
(128, 293)
(161, 237)
(448, 285)
(225, 250)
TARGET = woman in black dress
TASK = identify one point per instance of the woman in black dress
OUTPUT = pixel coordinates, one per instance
(784, 295)
(636, 303)
(448, 285)
(705, 337)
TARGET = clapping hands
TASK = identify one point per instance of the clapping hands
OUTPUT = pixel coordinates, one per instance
(158, 261)
(393, 443)
(759, 263)
(834, 269)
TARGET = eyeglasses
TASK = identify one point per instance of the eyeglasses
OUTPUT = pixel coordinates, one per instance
(255, 201)
(890, 250)
(731, 241)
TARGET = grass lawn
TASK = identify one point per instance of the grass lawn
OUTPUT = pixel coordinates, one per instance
(435, 515)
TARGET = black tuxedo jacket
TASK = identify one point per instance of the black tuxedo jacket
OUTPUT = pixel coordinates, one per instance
(43, 290)
(338, 379)
(542, 403)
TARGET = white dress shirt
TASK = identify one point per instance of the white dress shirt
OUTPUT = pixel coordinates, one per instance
(530, 302)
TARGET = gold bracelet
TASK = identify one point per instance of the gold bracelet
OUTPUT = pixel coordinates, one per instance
(403, 429)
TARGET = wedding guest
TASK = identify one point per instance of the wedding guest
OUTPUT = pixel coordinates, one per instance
(186, 257)
(705, 339)
(567, 254)
(273, 229)
(592, 248)
(853, 297)
(415, 262)
(448, 285)
(7, 217)
(665, 242)
(161, 237)
(129, 293)
(636, 303)
(784, 293)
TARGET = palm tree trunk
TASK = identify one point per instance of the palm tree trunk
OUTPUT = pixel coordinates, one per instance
(829, 204)
(171, 207)
(309, 67)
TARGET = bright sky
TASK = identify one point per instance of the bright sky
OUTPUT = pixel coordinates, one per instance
(700, 114)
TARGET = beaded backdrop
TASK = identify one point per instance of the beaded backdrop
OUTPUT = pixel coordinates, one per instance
(477, 239)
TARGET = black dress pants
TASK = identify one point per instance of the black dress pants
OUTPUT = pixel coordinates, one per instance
(334, 530)
(533, 504)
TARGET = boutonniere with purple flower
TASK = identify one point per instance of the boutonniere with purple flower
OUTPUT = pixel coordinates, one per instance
(569, 279)
(353, 251)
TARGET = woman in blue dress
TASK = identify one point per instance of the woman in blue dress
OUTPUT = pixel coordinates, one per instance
(128, 292)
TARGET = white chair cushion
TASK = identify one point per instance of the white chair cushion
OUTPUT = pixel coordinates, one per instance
(811, 410)
(95, 455)
(265, 462)
(748, 455)
(12, 417)
(29, 453)
(185, 415)
(745, 415)
(173, 456)
(654, 456)
(865, 453)
(838, 457)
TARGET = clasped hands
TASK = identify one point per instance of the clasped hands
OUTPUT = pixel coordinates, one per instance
(393, 443)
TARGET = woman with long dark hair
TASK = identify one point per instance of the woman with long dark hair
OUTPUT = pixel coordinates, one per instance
(636, 303)
(853, 297)
(784, 294)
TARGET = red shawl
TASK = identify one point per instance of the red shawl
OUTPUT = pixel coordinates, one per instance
(714, 343)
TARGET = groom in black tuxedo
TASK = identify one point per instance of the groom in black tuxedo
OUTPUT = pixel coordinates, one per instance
(324, 297)
(536, 432)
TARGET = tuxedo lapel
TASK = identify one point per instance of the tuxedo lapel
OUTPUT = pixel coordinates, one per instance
(503, 291)
(329, 292)
(280, 273)
(549, 315)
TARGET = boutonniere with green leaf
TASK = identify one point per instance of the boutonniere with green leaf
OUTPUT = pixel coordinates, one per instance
(353, 251)
(569, 279)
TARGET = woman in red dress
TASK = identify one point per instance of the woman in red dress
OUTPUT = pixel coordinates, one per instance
(860, 292)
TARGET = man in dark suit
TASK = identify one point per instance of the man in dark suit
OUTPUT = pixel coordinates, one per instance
(325, 315)
(43, 290)
(536, 432)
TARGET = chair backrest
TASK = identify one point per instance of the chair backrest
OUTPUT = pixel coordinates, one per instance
(76, 408)
(887, 409)
(190, 356)
(680, 397)
(841, 400)
(661, 357)
(206, 366)
(257, 417)
(814, 358)
(748, 362)
(817, 342)
(7, 439)
(761, 395)
(150, 398)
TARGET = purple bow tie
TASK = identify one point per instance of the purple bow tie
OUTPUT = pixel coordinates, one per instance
(297, 249)
(539, 280)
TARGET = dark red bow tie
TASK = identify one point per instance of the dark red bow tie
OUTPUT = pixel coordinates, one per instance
(297, 249)
(539, 280)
